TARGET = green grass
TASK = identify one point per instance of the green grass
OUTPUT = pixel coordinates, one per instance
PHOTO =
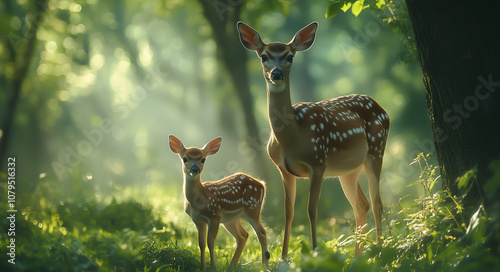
(434, 231)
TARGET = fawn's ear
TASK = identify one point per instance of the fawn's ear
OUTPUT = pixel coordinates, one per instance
(213, 146)
(304, 38)
(249, 37)
(176, 144)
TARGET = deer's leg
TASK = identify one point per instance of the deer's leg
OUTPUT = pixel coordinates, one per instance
(373, 168)
(315, 182)
(241, 236)
(202, 242)
(289, 187)
(213, 229)
(256, 224)
(358, 201)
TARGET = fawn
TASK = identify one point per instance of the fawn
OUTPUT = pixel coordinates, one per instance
(225, 201)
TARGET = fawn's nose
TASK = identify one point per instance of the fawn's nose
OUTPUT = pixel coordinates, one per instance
(195, 169)
(277, 74)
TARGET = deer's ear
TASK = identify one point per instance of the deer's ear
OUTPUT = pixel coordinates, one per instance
(304, 38)
(176, 145)
(213, 146)
(249, 38)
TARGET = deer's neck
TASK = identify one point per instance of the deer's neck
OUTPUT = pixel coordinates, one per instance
(280, 111)
(193, 189)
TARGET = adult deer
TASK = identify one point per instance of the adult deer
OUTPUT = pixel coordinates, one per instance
(336, 137)
(225, 201)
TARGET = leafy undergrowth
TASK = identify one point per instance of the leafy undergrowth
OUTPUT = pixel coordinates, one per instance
(431, 232)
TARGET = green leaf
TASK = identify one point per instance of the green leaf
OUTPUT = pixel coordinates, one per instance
(398, 224)
(464, 182)
(407, 202)
(433, 182)
(357, 7)
(379, 3)
(346, 6)
(333, 9)
(477, 226)
(429, 253)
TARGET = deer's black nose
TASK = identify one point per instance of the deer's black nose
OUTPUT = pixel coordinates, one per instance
(195, 169)
(277, 74)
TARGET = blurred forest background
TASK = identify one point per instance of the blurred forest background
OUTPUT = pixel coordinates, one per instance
(90, 91)
(106, 83)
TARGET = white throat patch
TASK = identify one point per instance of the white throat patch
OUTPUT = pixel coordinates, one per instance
(276, 88)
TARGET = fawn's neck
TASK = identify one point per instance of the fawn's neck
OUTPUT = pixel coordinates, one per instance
(193, 189)
(280, 111)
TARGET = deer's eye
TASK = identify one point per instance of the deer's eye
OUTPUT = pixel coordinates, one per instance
(203, 160)
(264, 58)
(185, 160)
(289, 59)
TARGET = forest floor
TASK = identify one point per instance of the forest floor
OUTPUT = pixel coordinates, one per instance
(430, 232)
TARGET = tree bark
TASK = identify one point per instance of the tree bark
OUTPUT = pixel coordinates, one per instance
(459, 50)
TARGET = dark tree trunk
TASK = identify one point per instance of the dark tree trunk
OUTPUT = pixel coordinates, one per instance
(303, 89)
(459, 50)
(223, 16)
(21, 50)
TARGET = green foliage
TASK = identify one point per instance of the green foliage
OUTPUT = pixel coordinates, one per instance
(356, 6)
(161, 255)
(393, 12)
(433, 231)
(43, 242)
(333, 9)
(108, 217)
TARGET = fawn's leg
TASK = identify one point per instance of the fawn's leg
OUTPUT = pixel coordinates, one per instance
(256, 224)
(202, 241)
(241, 236)
(213, 229)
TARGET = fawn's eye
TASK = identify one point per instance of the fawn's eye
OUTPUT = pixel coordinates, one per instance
(185, 160)
(289, 59)
(203, 160)
(264, 58)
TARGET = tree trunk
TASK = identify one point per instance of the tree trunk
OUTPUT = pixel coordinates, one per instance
(459, 51)
(223, 16)
(21, 49)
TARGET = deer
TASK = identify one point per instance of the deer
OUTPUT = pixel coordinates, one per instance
(226, 201)
(337, 137)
